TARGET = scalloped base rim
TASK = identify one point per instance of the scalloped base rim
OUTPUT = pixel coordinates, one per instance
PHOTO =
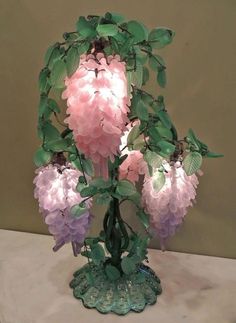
(128, 293)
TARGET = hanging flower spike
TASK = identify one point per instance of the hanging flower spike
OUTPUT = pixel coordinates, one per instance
(98, 103)
(168, 207)
(134, 165)
(55, 189)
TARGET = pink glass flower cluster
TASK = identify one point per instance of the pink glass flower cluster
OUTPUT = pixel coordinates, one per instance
(98, 104)
(168, 207)
(55, 189)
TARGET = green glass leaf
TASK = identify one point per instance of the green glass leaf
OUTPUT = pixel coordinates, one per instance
(103, 199)
(144, 218)
(129, 81)
(140, 56)
(76, 163)
(139, 143)
(135, 198)
(55, 55)
(80, 186)
(195, 144)
(58, 74)
(57, 145)
(99, 182)
(97, 254)
(88, 191)
(125, 188)
(88, 167)
(82, 179)
(192, 162)
(44, 84)
(53, 106)
(77, 210)
(161, 77)
(153, 159)
(154, 134)
(50, 132)
(133, 134)
(49, 53)
(145, 75)
(160, 37)
(213, 155)
(85, 28)
(156, 62)
(158, 180)
(86, 253)
(83, 47)
(117, 18)
(165, 132)
(165, 119)
(166, 147)
(107, 30)
(137, 75)
(43, 104)
(42, 157)
(112, 272)
(114, 45)
(137, 30)
(142, 111)
(72, 60)
(128, 265)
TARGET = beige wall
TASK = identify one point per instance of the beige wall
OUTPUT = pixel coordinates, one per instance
(201, 93)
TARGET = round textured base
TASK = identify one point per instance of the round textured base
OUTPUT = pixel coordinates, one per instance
(128, 293)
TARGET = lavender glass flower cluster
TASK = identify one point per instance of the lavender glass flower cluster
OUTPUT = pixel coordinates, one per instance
(55, 189)
(168, 207)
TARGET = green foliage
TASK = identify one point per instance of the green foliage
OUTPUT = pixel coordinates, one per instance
(88, 191)
(128, 265)
(165, 119)
(97, 254)
(112, 272)
(72, 60)
(160, 37)
(192, 162)
(103, 198)
(156, 62)
(143, 217)
(210, 154)
(51, 54)
(137, 30)
(100, 183)
(166, 147)
(145, 75)
(125, 188)
(142, 111)
(158, 180)
(138, 247)
(58, 74)
(117, 18)
(161, 77)
(107, 30)
(153, 159)
(133, 134)
(137, 75)
(42, 157)
(44, 84)
(85, 28)
(88, 166)
(77, 210)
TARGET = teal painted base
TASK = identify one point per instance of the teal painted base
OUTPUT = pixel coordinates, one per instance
(128, 293)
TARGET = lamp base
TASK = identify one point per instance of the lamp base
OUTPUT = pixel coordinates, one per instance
(128, 293)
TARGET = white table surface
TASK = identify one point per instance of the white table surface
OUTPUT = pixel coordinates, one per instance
(34, 286)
